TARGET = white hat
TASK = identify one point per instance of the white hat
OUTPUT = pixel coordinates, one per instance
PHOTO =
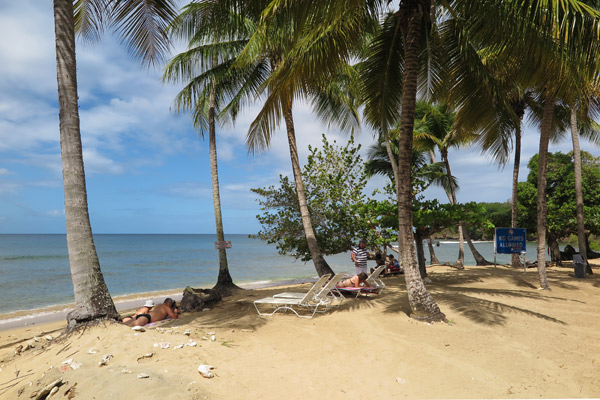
(149, 303)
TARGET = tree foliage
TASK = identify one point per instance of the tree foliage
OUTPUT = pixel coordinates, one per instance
(334, 180)
(561, 194)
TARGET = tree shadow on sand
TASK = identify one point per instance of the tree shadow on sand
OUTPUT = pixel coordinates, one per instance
(459, 292)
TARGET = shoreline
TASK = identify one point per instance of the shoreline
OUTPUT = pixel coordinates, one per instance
(123, 303)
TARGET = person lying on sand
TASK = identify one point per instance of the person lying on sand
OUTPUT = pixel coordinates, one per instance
(145, 309)
(160, 312)
(355, 281)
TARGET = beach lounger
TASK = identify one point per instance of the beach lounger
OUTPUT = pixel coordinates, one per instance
(375, 284)
(328, 293)
(374, 280)
(355, 291)
(299, 306)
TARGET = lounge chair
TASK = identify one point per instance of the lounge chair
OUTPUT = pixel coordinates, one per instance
(374, 280)
(375, 284)
(307, 303)
(328, 293)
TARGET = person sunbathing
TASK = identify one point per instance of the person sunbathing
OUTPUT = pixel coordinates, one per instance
(355, 281)
(160, 312)
(145, 309)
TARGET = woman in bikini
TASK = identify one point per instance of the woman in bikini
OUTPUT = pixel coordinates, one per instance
(355, 281)
(141, 311)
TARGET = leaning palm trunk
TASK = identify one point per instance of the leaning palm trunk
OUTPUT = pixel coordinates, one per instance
(315, 252)
(541, 198)
(224, 282)
(422, 304)
(479, 259)
(433, 257)
(92, 299)
(516, 260)
(578, 190)
(460, 261)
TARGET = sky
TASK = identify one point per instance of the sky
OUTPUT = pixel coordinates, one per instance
(147, 170)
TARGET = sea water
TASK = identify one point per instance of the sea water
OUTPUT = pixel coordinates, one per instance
(34, 269)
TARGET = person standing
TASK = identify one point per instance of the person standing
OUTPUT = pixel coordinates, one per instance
(359, 256)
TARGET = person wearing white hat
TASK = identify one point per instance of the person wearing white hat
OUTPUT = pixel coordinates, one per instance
(145, 309)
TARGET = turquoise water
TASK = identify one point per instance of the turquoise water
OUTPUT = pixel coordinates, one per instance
(34, 269)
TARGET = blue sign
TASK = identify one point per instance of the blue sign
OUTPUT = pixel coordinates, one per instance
(510, 240)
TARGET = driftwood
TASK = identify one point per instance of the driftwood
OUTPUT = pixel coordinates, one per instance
(198, 299)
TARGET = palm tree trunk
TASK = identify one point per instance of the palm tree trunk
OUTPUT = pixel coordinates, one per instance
(578, 190)
(224, 282)
(313, 246)
(516, 260)
(92, 299)
(434, 259)
(541, 198)
(422, 304)
(479, 259)
(420, 253)
(460, 261)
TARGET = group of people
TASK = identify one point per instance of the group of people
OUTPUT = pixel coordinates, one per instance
(359, 256)
(150, 313)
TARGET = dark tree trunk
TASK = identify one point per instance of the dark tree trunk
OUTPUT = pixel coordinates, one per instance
(434, 259)
(313, 246)
(422, 304)
(420, 253)
(479, 259)
(92, 299)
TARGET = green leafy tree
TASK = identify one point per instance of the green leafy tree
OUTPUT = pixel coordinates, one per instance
(562, 204)
(142, 24)
(334, 180)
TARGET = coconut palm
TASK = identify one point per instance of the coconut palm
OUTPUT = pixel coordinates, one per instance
(142, 24)
(215, 36)
(252, 68)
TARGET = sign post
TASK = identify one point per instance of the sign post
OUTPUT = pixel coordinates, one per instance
(225, 244)
(510, 241)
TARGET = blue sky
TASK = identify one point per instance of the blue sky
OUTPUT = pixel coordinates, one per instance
(147, 171)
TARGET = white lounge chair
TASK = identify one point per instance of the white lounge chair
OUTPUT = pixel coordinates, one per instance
(328, 293)
(375, 284)
(307, 303)
(374, 280)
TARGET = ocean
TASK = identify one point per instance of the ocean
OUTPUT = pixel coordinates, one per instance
(35, 274)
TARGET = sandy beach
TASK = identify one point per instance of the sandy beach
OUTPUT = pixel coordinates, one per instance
(504, 339)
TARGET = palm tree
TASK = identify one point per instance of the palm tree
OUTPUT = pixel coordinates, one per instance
(205, 67)
(254, 67)
(435, 128)
(142, 24)
(588, 104)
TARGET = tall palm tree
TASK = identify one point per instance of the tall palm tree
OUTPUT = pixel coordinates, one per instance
(254, 67)
(587, 103)
(142, 23)
(204, 67)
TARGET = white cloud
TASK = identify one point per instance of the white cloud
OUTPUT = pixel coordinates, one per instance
(4, 171)
(55, 213)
